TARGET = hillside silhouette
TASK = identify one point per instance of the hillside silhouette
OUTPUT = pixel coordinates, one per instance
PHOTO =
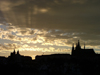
(80, 62)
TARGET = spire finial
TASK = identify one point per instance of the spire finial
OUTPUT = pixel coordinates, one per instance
(73, 46)
(84, 45)
(78, 47)
(78, 42)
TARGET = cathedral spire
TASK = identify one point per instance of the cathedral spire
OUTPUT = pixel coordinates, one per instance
(84, 45)
(78, 42)
(72, 49)
(18, 52)
(78, 47)
(14, 51)
(73, 46)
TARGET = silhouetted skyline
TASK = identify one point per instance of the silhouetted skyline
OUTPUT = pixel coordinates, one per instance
(80, 62)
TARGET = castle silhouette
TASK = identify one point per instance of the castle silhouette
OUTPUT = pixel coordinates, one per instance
(16, 57)
(78, 51)
(80, 62)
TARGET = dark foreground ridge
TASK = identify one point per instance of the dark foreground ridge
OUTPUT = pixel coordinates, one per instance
(80, 62)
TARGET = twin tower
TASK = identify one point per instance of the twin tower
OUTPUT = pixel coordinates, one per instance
(78, 51)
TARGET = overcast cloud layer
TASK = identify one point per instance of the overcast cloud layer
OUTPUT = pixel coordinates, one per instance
(70, 15)
(65, 21)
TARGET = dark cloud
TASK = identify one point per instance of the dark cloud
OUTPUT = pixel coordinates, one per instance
(33, 39)
(31, 32)
(89, 39)
(11, 36)
(26, 32)
(58, 35)
(13, 45)
(9, 46)
(69, 16)
(2, 47)
(23, 32)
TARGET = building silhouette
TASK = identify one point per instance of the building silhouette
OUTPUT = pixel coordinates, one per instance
(78, 51)
(79, 63)
(16, 57)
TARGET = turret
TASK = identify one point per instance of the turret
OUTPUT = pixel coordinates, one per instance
(14, 52)
(18, 52)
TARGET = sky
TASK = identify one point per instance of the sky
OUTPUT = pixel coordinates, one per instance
(37, 27)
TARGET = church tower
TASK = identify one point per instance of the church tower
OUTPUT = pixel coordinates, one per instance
(14, 52)
(18, 52)
(78, 47)
(81, 52)
(72, 49)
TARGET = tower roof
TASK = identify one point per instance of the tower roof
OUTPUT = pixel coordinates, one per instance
(78, 45)
(14, 51)
(18, 52)
(78, 42)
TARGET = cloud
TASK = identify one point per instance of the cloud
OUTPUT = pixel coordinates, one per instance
(13, 45)
(69, 15)
(47, 37)
(11, 36)
(9, 46)
(52, 22)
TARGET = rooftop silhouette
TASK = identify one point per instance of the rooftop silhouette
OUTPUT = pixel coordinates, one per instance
(78, 51)
(80, 62)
